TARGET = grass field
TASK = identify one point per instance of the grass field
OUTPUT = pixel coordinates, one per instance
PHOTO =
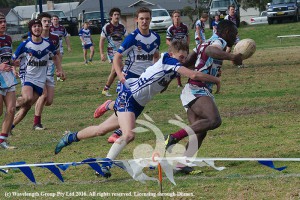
(259, 105)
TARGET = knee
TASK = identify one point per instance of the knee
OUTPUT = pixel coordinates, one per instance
(11, 110)
(49, 102)
(216, 122)
(128, 137)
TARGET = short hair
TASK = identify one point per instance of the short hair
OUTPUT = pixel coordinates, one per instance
(2, 16)
(55, 16)
(204, 15)
(85, 23)
(178, 45)
(111, 12)
(225, 25)
(43, 14)
(231, 6)
(142, 10)
(176, 11)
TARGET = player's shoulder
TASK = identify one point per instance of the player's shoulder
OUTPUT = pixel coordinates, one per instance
(154, 33)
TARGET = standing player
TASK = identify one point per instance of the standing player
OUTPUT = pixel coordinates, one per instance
(200, 29)
(215, 23)
(7, 83)
(61, 31)
(142, 50)
(197, 97)
(114, 32)
(87, 43)
(132, 100)
(177, 31)
(48, 92)
(232, 17)
(36, 51)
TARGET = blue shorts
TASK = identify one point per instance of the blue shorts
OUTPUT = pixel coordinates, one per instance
(35, 88)
(87, 46)
(126, 103)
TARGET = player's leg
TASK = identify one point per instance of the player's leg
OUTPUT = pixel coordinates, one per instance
(39, 106)
(92, 52)
(109, 82)
(101, 110)
(108, 125)
(85, 55)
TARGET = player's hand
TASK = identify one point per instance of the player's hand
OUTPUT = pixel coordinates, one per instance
(69, 50)
(103, 57)
(5, 67)
(218, 84)
(16, 63)
(237, 59)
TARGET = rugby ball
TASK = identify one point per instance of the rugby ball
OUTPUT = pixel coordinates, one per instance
(246, 47)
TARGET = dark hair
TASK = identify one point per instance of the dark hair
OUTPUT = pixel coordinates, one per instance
(177, 45)
(142, 10)
(55, 16)
(32, 22)
(43, 14)
(231, 6)
(111, 12)
(2, 16)
(204, 15)
(225, 25)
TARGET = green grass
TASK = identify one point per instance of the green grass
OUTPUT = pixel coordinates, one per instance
(259, 105)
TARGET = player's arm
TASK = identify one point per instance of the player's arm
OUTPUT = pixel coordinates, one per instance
(217, 53)
(191, 60)
(196, 75)
(168, 41)
(67, 38)
(101, 48)
(156, 56)
(118, 66)
(59, 71)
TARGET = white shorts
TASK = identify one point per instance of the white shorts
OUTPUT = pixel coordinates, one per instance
(191, 92)
(3, 92)
(50, 81)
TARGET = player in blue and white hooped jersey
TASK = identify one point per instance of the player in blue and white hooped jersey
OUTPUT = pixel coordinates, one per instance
(37, 52)
(114, 32)
(197, 97)
(86, 42)
(133, 97)
(7, 84)
(141, 49)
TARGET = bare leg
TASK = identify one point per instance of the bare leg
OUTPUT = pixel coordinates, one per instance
(92, 51)
(10, 102)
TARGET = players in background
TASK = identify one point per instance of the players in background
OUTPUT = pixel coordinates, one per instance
(61, 31)
(232, 17)
(36, 51)
(7, 83)
(177, 31)
(215, 23)
(197, 96)
(133, 97)
(87, 43)
(141, 48)
(200, 29)
(48, 92)
(114, 32)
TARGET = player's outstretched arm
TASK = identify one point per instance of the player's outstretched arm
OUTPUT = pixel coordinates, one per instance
(217, 53)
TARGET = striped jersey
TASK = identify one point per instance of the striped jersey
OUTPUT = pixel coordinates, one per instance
(139, 50)
(206, 64)
(7, 79)
(114, 35)
(180, 32)
(201, 26)
(61, 31)
(36, 57)
(156, 78)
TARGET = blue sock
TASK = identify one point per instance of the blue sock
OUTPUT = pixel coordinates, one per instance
(12, 127)
(73, 138)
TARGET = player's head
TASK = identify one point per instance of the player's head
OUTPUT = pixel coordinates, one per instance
(45, 18)
(85, 25)
(176, 17)
(179, 49)
(2, 23)
(114, 14)
(217, 18)
(231, 10)
(55, 20)
(204, 17)
(228, 31)
(143, 18)
(35, 27)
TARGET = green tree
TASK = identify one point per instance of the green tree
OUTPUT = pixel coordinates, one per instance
(260, 4)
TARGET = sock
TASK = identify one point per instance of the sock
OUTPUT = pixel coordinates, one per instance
(106, 87)
(118, 132)
(12, 127)
(37, 120)
(90, 60)
(116, 148)
(178, 80)
(180, 134)
(3, 137)
(73, 138)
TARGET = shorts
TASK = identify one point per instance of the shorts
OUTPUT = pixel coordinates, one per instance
(126, 103)
(191, 92)
(4, 91)
(35, 88)
(87, 46)
(50, 81)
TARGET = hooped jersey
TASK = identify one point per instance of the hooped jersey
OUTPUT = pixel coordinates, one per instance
(7, 79)
(61, 32)
(36, 57)
(180, 32)
(156, 78)
(206, 64)
(85, 34)
(139, 50)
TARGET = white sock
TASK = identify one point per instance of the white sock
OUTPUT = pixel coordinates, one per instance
(116, 148)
